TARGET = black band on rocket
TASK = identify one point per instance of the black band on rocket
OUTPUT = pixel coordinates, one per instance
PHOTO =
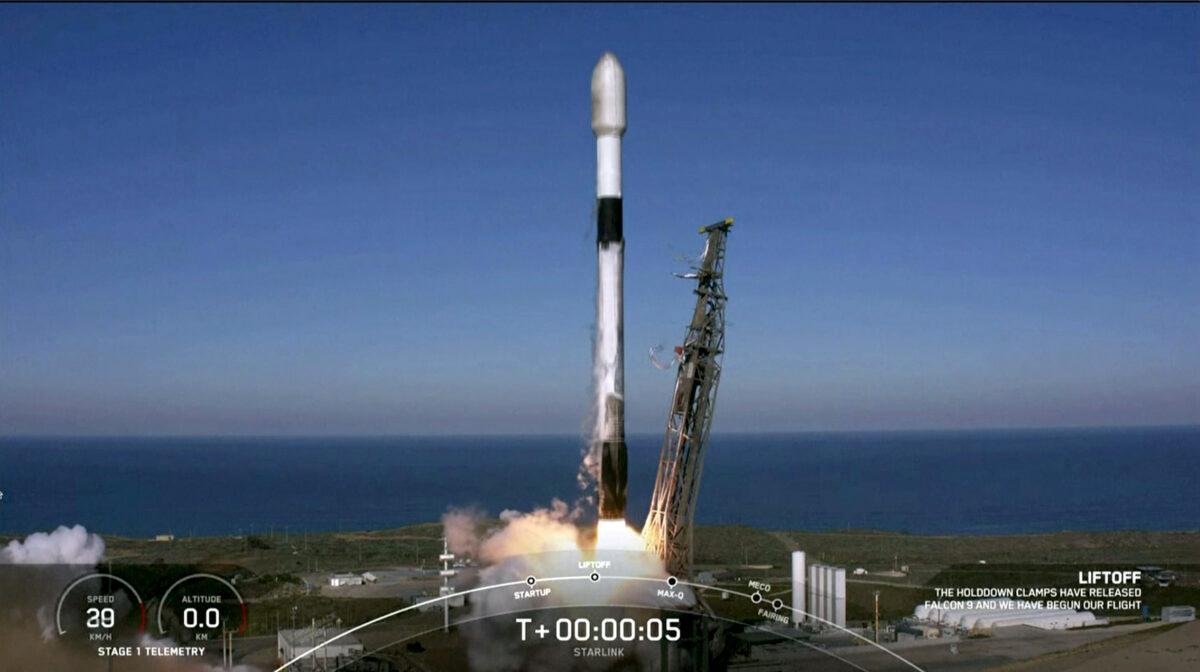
(613, 479)
(608, 220)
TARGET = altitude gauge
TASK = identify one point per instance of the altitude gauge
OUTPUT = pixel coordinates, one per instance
(100, 607)
(201, 608)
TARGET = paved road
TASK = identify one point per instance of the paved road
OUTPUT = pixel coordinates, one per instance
(1176, 650)
(1009, 646)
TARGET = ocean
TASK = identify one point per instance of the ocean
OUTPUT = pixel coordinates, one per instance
(961, 482)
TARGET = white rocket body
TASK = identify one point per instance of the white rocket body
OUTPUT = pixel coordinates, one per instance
(608, 125)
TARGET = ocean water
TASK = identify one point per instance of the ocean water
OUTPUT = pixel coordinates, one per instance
(935, 482)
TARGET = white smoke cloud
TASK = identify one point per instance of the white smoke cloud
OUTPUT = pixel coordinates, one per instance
(63, 546)
(61, 556)
(543, 530)
(588, 474)
(540, 531)
(461, 528)
(547, 542)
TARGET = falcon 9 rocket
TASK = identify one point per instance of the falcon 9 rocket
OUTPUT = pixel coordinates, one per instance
(608, 125)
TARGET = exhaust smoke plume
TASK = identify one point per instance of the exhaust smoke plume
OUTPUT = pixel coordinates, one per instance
(547, 543)
(63, 546)
(54, 559)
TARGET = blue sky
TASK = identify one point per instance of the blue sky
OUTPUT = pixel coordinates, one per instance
(378, 219)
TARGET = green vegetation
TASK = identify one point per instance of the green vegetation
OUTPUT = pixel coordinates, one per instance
(1010, 560)
(291, 553)
(878, 550)
(267, 568)
(738, 544)
(304, 609)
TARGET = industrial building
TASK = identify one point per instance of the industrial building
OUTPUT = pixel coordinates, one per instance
(1179, 614)
(338, 580)
(908, 631)
(988, 614)
(293, 643)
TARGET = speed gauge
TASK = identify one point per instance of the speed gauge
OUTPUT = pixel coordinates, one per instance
(100, 607)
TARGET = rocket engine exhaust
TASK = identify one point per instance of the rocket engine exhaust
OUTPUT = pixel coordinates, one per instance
(608, 125)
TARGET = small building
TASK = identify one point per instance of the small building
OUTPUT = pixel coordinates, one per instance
(369, 577)
(906, 631)
(984, 615)
(715, 576)
(347, 579)
(1178, 614)
(342, 651)
(164, 537)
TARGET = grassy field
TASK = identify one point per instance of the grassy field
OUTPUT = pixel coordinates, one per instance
(1011, 560)
(879, 550)
(268, 566)
(417, 545)
(715, 546)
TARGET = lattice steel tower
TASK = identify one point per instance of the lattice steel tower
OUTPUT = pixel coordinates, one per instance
(668, 528)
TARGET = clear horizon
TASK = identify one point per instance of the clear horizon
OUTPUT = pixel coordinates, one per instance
(780, 432)
(376, 219)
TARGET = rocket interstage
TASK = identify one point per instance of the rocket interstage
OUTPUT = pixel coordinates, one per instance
(608, 125)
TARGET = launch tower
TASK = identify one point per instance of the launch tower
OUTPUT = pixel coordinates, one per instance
(668, 528)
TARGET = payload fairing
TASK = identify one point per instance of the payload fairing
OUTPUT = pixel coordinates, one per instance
(608, 125)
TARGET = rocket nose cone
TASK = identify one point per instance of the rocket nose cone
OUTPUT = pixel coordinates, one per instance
(608, 96)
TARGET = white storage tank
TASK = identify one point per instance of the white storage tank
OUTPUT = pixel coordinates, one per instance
(839, 596)
(799, 570)
(823, 589)
(954, 616)
(1019, 618)
(815, 593)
